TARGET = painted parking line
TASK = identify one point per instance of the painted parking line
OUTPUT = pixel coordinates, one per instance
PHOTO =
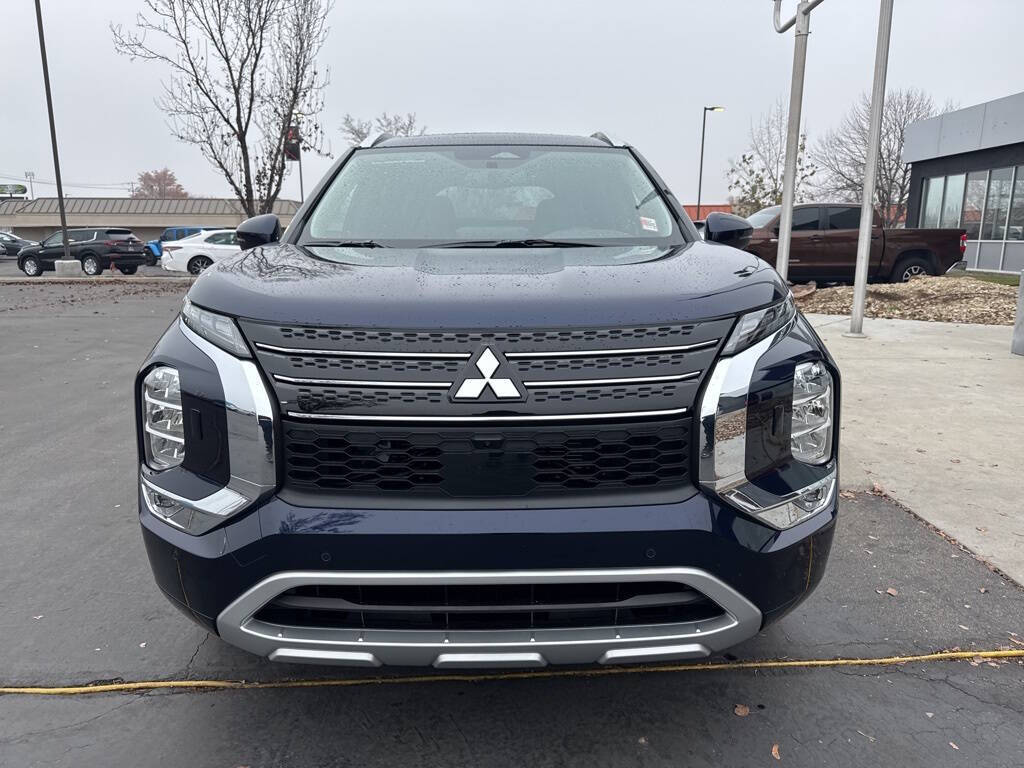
(194, 685)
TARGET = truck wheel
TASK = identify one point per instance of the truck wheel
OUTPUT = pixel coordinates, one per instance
(910, 267)
(198, 263)
(30, 266)
(129, 270)
(91, 265)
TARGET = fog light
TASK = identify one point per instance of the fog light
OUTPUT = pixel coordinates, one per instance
(806, 503)
(811, 438)
(163, 427)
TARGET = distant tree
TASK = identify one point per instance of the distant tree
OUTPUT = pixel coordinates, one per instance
(241, 73)
(160, 185)
(841, 152)
(355, 130)
(755, 180)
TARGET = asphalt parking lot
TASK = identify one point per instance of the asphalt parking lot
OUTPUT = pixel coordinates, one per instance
(78, 605)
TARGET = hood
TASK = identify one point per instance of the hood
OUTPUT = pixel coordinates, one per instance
(487, 287)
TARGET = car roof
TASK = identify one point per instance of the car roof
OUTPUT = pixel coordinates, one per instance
(462, 139)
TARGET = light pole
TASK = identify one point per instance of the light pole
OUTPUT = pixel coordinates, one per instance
(53, 134)
(700, 173)
(867, 203)
(802, 20)
(31, 176)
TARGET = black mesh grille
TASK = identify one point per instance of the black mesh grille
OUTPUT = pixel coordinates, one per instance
(489, 606)
(509, 339)
(316, 366)
(606, 363)
(486, 463)
(637, 392)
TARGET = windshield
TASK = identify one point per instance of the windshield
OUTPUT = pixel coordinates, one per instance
(491, 196)
(765, 215)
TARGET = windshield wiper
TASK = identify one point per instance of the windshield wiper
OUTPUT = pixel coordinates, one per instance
(345, 244)
(527, 243)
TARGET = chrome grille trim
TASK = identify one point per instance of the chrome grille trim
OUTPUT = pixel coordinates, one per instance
(491, 419)
(302, 352)
(597, 382)
(365, 383)
(611, 352)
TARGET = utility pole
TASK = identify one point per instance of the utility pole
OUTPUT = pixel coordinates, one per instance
(53, 134)
(867, 200)
(31, 176)
(700, 173)
(802, 20)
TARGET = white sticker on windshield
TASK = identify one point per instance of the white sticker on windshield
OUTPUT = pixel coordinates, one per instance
(648, 223)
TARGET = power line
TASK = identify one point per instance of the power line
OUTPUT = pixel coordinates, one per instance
(122, 185)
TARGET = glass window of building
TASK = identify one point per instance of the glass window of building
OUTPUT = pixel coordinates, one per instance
(952, 201)
(1016, 229)
(997, 204)
(974, 203)
(931, 201)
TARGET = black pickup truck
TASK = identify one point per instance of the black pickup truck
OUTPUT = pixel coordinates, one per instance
(823, 245)
(491, 401)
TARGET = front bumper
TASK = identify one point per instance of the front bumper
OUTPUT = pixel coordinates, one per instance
(756, 574)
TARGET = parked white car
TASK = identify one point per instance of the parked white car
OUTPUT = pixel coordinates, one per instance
(196, 252)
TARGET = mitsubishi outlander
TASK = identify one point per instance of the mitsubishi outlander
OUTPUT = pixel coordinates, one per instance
(490, 401)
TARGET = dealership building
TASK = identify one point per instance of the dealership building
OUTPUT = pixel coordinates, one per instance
(967, 170)
(35, 219)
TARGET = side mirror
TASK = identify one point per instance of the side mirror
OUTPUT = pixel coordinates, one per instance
(728, 229)
(257, 231)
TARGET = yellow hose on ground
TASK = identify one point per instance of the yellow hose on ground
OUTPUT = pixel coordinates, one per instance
(154, 685)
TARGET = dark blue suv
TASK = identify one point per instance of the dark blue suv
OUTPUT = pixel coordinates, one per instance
(490, 402)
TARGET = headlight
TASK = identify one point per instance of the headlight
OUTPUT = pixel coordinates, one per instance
(217, 329)
(754, 326)
(163, 427)
(811, 439)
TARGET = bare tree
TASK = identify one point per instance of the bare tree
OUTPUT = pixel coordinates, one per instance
(755, 180)
(355, 130)
(241, 73)
(840, 153)
(161, 184)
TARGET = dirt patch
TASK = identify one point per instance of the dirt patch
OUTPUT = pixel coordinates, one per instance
(944, 299)
(30, 295)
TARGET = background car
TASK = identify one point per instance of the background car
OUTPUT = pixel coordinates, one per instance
(11, 245)
(95, 247)
(154, 248)
(195, 253)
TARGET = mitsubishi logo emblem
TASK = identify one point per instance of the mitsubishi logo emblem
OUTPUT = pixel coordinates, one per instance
(473, 387)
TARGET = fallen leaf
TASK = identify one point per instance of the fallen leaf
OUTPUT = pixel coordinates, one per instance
(963, 627)
(954, 746)
(741, 710)
(891, 591)
(877, 489)
(873, 538)
(983, 590)
(142, 645)
(848, 494)
(954, 461)
(37, 618)
(929, 714)
(775, 752)
(1015, 641)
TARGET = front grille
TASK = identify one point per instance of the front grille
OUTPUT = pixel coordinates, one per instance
(455, 607)
(373, 413)
(469, 463)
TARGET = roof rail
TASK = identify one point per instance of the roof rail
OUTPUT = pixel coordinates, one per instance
(373, 139)
(602, 136)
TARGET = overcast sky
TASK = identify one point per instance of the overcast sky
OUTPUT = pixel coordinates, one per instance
(640, 70)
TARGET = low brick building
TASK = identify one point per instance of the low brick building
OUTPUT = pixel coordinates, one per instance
(35, 219)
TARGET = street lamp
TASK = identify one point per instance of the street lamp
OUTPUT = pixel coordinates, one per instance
(700, 173)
